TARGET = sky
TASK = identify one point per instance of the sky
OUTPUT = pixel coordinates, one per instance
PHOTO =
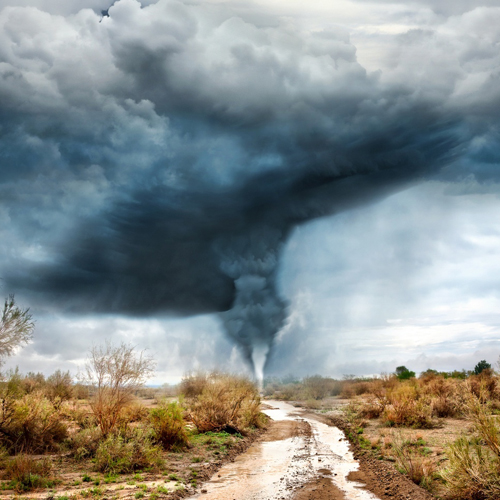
(280, 186)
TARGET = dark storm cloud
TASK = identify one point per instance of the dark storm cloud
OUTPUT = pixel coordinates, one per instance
(157, 159)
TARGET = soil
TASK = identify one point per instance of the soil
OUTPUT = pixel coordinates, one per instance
(320, 488)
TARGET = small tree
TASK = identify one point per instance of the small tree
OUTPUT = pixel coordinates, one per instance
(59, 386)
(16, 327)
(481, 366)
(115, 372)
(403, 373)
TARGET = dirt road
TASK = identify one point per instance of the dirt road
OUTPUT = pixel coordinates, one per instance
(301, 457)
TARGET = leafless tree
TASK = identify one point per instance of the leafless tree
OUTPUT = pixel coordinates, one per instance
(16, 327)
(114, 373)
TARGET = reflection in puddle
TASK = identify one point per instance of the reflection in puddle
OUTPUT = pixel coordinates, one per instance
(272, 470)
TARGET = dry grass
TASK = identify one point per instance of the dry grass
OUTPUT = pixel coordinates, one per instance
(474, 462)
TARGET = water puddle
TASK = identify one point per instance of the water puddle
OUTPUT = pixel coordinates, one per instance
(272, 470)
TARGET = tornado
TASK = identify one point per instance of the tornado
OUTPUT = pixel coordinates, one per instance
(166, 174)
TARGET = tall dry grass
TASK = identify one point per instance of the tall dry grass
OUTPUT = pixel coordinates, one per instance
(474, 463)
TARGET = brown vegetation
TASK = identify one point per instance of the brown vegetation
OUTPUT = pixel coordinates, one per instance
(220, 402)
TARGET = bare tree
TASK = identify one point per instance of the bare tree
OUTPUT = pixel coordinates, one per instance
(114, 373)
(16, 327)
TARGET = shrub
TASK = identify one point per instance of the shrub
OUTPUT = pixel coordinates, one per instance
(59, 386)
(33, 382)
(317, 387)
(26, 473)
(227, 403)
(133, 412)
(81, 416)
(119, 453)
(84, 443)
(373, 407)
(168, 425)
(484, 385)
(406, 408)
(474, 470)
(192, 384)
(31, 424)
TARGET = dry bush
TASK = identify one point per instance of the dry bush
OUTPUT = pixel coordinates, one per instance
(406, 408)
(81, 391)
(318, 387)
(133, 412)
(33, 382)
(289, 392)
(115, 372)
(31, 424)
(168, 425)
(147, 392)
(378, 386)
(443, 406)
(59, 386)
(192, 384)
(27, 473)
(372, 407)
(80, 415)
(84, 443)
(411, 403)
(313, 387)
(484, 385)
(227, 403)
(120, 453)
(311, 404)
(443, 393)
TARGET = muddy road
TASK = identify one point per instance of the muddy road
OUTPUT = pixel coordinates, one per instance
(304, 457)
(300, 458)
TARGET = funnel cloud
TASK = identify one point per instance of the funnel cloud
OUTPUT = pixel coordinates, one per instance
(156, 160)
